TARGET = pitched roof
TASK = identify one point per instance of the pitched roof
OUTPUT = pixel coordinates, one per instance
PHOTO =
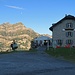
(67, 17)
(43, 38)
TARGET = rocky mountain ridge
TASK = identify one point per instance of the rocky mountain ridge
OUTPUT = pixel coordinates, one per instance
(18, 32)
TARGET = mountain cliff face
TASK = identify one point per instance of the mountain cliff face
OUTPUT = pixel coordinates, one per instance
(18, 32)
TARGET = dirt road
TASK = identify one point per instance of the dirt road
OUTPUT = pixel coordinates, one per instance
(34, 63)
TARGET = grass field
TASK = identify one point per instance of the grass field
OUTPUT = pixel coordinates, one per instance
(6, 52)
(66, 53)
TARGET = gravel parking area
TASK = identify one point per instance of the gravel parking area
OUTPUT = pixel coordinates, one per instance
(34, 63)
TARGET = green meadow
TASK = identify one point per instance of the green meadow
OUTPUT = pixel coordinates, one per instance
(65, 53)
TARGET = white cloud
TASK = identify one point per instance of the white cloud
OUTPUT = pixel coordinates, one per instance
(14, 7)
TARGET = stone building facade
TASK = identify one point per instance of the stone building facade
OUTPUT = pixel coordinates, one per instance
(63, 32)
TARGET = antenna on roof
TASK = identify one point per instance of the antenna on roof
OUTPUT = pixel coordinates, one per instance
(65, 15)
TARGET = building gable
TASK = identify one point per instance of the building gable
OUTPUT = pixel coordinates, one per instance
(67, 17)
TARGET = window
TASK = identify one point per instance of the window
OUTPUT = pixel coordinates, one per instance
(69, 25)
(69, 34)
(59, 42)
(69, 41)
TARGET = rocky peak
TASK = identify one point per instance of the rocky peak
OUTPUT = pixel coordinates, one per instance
(17, 31)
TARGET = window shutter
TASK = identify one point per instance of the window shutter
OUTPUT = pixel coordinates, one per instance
(66, 34)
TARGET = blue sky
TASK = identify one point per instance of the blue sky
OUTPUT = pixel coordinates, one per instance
(35, 14)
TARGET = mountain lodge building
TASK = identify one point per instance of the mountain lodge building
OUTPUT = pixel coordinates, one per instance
(63, 32)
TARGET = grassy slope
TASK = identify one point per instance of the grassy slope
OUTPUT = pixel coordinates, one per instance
(32, 50)
(66, 53)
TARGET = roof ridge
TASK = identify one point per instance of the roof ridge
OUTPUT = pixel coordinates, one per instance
(65, 18)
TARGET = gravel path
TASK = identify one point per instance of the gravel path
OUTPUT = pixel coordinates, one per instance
(34, 63)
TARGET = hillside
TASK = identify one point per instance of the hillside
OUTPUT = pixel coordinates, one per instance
(18, 32)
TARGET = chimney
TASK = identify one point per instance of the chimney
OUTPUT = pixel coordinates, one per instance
(65, 15)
